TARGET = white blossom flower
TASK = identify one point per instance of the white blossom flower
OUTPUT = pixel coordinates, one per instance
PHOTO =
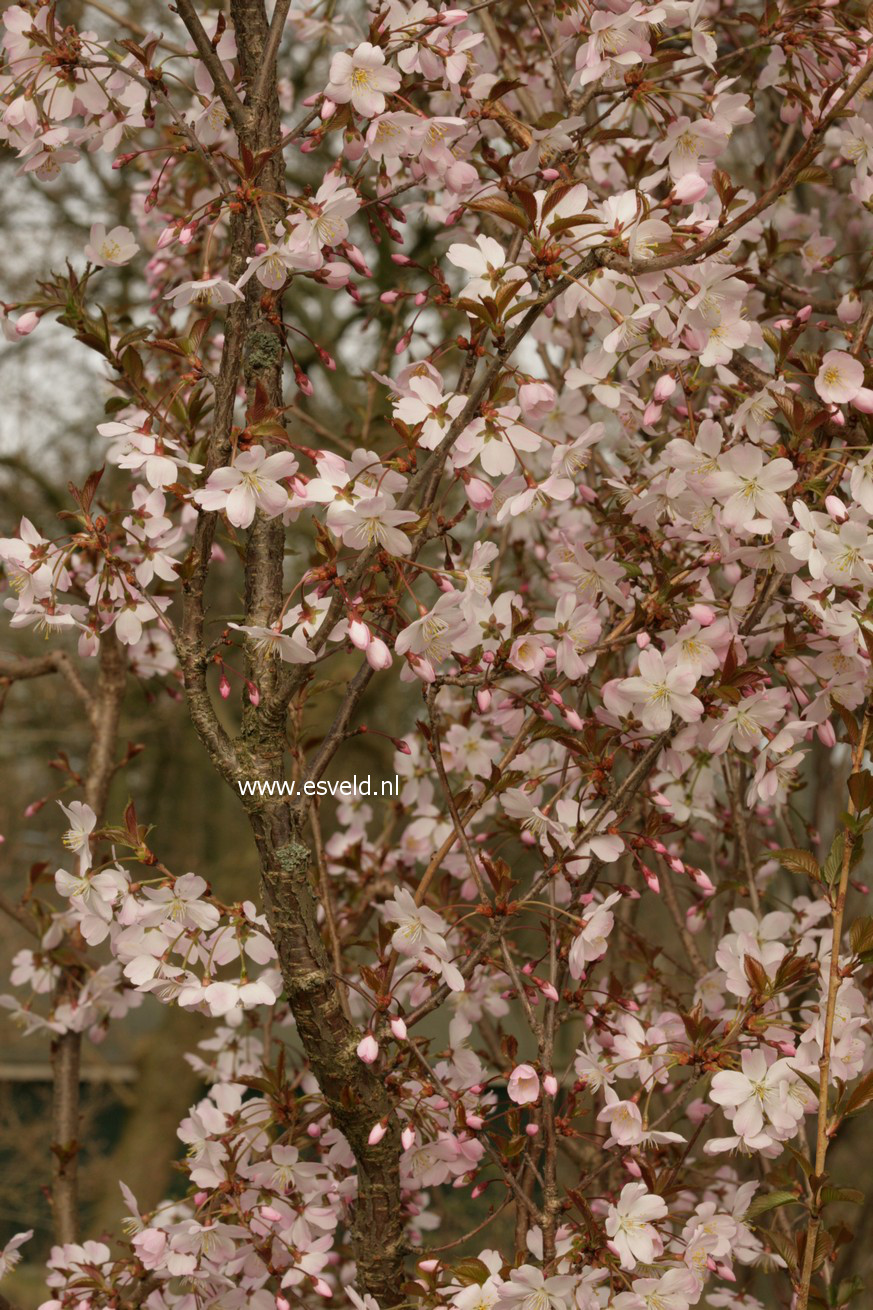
(248, 484)
(110, 248)
(840, 377)
(362, 78)
(628, 1224)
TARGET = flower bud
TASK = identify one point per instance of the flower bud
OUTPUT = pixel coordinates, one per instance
(479, 493)
(664, 388)
(368, 1049)
(550, 1084)
(407, 1137)
(862, 400)
(703, 614)
(398, 1028)
(532, 1129)
(26, 323)
(359, 634)
(377, 1132)
(378, 654)
(826, 735)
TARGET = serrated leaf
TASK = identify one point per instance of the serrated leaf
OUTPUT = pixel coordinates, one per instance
(782, 1246)
(799, 862)
(471, 1271)
(503, 208)
(861, 935)
(834, 862)
(815, 173)
(852, 1195)
(861, 1095)
(772, 1201)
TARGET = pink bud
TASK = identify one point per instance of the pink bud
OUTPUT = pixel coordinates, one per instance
(632, 1167)
(200, 1197)
(690, 188)
(269, 1214)
(826, 735)
(378, 654)
(479, 493)
(532, 1129)
(407, 1137)
(862, 400)
(368, 1049)
(314, 1130)
(664, 388)
(537, 399)
(548, 991)
(698, 1110)
(398, 1028)
(643, 640)
(483, 700)
(224, 686)
(651, 415)
(574, 720)
(26, 323)
(651, 880)
(475, 1121)
(254, 694)
(389, 297)
(849, 308)
(167, 236)
(328, 109)
(429, 1266)
(803, 314)
(282, 1304)
(377, 1132)
(836, 509)
(359, 634)
(401, 745)
(550, 1084)
(322, 1288)
(703, 614)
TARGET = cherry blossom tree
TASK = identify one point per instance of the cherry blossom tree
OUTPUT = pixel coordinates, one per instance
(498, 377)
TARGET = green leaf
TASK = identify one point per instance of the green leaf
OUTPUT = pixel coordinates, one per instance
(772, 1201)
(799, 862)
(861, 1095)
(861, 935)
(470, 1271)
(503, 208)
(861, 790)
(834, 862)
(850, 1194)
